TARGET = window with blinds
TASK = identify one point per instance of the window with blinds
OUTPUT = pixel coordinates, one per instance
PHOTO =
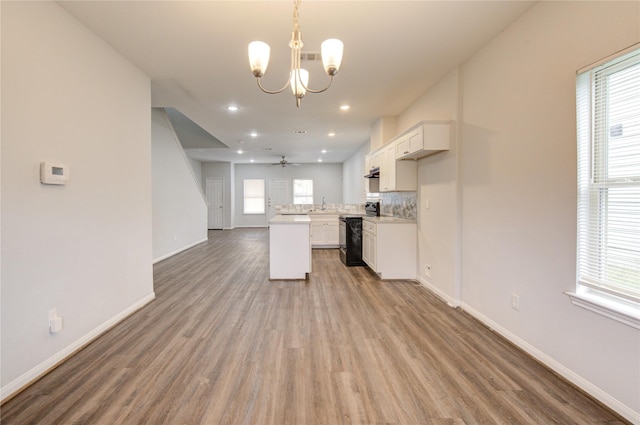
(608, 114)
(302, 191)
(254, 196)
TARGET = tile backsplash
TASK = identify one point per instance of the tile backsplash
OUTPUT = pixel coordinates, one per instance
(399, 204)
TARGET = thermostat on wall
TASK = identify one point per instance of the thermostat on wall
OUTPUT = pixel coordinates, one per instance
(53, 173)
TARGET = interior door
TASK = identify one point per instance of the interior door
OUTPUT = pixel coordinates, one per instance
(215, 197)
(278, 193)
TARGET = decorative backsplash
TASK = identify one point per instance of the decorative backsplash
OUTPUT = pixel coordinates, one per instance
(304, 208)
(399, 204)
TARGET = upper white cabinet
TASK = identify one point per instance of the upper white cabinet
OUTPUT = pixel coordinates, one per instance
(423, 139)
(396, 176)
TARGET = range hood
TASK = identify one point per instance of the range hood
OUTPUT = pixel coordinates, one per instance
(374, 173)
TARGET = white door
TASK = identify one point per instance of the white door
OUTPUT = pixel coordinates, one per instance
(278, 193)
(215, 197)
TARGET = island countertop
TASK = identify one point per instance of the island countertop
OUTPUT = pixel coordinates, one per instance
(290, 219)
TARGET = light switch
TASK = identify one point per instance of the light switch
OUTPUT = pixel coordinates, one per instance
(426, 204)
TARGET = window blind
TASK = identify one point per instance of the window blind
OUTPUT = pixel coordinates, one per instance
(254, 196)
(608, 130)
(302, 191)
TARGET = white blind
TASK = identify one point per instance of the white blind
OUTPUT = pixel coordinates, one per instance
(608, 118)
(254, 196)
(302, 191)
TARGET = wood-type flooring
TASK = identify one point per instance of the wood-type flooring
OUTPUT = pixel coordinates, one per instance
(222, 344)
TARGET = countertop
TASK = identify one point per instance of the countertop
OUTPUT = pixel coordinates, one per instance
(322, 212)
(290, 219)
(388, 219)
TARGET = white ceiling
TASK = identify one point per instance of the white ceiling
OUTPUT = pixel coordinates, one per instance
(195, 53)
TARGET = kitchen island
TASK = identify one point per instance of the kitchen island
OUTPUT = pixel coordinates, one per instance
(289, 247)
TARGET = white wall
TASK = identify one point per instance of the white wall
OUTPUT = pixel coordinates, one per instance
(179, 206)
(353, 190)
(438, 183)
(502, 216)
(196, 167)
(519, 193)
(83, 248)
(327, 182)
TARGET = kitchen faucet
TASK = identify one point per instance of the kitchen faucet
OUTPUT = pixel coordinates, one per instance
(324, 205)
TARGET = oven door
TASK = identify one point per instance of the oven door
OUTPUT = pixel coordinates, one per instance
(342, 233)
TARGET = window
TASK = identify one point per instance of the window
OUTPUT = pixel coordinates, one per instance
(302, 191)
(608, 257)
(254, 196)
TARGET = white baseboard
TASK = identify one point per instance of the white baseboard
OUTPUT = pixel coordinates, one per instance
(40, 370)
(557, 367)
(451, 302)
(183, 248)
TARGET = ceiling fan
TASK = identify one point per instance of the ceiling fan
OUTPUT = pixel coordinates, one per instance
(283, 162)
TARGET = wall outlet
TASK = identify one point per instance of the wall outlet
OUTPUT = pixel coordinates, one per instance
(515, 302)
(427, 270)
(55, 321)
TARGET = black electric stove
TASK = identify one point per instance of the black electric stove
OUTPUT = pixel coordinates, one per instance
(351, 235)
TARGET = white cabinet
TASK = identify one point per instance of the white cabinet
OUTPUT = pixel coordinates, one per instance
(396, 176)
(389, 248)
(423, 139)
(371, 185)
(369, 244)
(289, 247)
(324, 231)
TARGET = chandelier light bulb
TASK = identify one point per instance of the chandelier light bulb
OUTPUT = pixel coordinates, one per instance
(259, 53)
(298, 87)
(331, 51)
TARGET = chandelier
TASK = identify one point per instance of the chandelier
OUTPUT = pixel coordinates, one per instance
(331, 52)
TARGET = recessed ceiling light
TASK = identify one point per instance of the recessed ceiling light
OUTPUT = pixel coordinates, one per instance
(331, 134)
(253, 134)
(251, 160)
(232, 108)
(319, 159)
(345, 107)
(240, 151)
(323, 151)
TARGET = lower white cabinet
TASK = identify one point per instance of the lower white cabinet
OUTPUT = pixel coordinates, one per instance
(389, 248)
(369, 241)
(324, 231)
(289, 247)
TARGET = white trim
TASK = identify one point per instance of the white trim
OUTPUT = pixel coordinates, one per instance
(451, 302)
(606, 306)
(43, 368)
(608, 400)
(179, 250)
(608, 58)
